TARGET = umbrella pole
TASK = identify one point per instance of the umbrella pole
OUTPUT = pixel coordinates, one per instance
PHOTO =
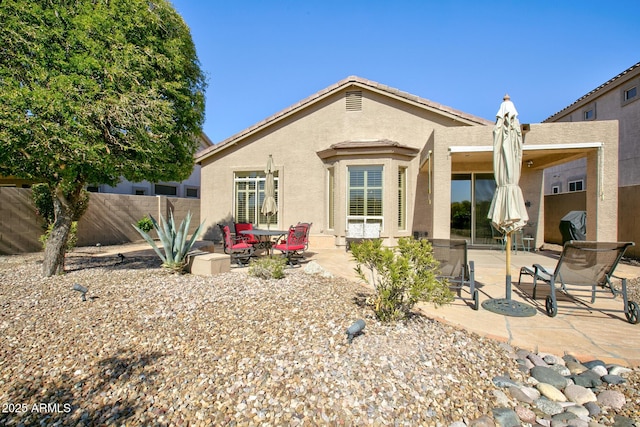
(508, 266)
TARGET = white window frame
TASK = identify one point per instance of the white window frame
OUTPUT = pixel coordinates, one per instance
(192, 187)
(155, 192)
(367, 220)
(331, 198)
(627, 97)
(259, 179)
(402, 198)
(555, 189)
(575, 184)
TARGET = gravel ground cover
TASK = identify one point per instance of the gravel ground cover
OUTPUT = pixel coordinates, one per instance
(153, 348)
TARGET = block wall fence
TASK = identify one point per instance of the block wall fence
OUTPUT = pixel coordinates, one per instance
(107, 221)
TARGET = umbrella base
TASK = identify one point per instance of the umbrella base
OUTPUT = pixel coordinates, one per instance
(509, 307)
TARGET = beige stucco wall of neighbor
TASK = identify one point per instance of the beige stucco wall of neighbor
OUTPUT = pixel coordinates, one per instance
(107, 221)
(294, 143)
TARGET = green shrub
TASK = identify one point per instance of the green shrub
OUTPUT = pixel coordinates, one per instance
(145, 224)
(174, 241)
(401, 277)
(268, 267)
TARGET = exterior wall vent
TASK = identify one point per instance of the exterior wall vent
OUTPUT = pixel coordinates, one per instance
(354, 100)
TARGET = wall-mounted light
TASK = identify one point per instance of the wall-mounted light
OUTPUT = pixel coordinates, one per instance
(529, 163)
(527, 204)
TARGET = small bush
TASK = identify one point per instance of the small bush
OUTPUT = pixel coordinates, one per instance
(145, 224)
(401, 277)
(268, 267)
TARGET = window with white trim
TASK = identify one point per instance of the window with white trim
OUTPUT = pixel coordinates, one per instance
(191, 192)
(402, 198)
(577, 185)
(629, 94)
(331, 197)
(555, 189)
(165, 190)
(248, 198)
(364, 196)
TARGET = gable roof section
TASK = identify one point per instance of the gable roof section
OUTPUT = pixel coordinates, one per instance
(349, 81)
(603, 87)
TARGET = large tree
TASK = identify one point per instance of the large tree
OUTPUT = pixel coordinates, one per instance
(95, 90)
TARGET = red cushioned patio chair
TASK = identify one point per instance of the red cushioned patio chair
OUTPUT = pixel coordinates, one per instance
(237, 247)
(296, 243)
(244, 226)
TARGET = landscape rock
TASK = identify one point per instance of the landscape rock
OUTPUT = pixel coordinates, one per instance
(549, 376)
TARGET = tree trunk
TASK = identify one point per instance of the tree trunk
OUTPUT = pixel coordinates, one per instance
(56, 244)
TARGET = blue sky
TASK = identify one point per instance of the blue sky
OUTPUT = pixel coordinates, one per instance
(263, 56)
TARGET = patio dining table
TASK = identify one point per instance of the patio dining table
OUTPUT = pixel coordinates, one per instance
(264, 237)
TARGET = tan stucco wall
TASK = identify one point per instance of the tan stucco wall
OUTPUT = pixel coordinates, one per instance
(294, 142)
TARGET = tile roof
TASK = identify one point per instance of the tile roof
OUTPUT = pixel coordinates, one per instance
(602, 87)
(349, 81)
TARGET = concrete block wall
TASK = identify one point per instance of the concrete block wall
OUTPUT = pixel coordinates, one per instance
(628, 221)
(107, 221)
(556, 206)
(20, 227)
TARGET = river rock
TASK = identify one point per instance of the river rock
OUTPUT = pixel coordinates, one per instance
(576, 368)
(549, 376)
(525, 414)
(613, 379)
(551, 392)
(548, 407)
(506, 417)
(579, 394)
(611, 398)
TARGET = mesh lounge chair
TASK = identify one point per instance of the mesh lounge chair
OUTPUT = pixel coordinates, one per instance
(236, 247)
(296, 243)
(452, 255)
(583, 266)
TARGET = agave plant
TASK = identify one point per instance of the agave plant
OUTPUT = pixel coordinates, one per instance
(174, 240)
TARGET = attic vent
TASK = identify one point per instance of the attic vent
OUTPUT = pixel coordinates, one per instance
(354, 100)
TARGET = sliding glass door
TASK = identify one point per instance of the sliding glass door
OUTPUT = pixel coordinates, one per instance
(471, 196)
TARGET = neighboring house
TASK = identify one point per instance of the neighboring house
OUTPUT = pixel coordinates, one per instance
(360, 155)
(616, 99)
(190, 187)
(613, 100)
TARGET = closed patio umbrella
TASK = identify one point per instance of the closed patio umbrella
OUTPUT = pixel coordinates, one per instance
(508, 212)
(269, 205)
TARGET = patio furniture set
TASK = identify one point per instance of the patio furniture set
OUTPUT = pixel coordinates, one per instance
(248, 242)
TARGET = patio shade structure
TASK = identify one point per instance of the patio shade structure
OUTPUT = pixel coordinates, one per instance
(507, 212)
(269, 205)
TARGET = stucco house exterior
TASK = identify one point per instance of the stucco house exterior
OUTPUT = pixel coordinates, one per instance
(361, 155)
(616, 99)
